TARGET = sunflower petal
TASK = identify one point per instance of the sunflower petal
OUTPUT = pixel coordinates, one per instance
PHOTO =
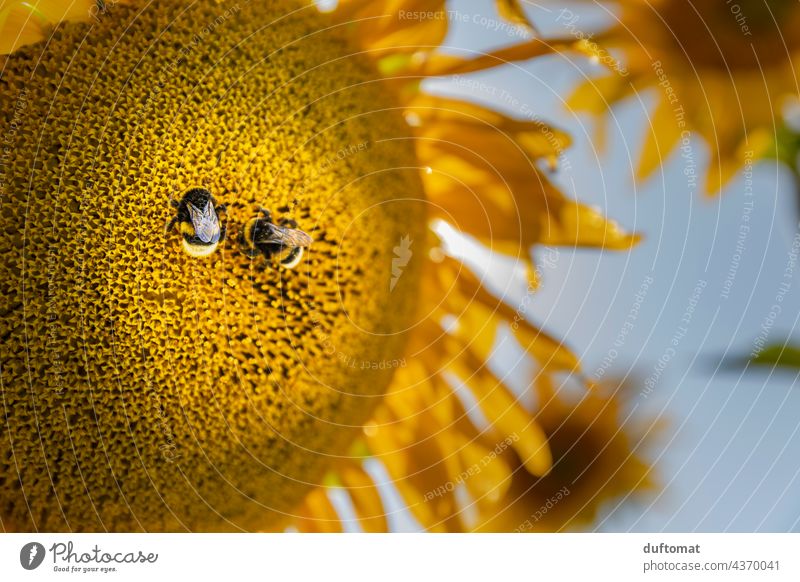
(479, 314)
(488, 476)
(20, 24)
(416, 465)
(597, 95)
(23, 23)
(662, 137)
(365, 497)
(578, 225)
(483, 180)
(512, 11)
(537, 139)
(439, 64)
(506, 415)
(317, 513)
(383, 26)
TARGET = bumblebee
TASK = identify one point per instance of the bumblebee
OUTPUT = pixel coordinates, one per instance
(199, 222)
(283, 242)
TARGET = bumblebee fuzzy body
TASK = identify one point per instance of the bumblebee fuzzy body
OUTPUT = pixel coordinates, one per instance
(199, 222)
(283, 242)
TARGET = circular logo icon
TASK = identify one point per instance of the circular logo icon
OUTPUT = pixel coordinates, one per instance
(31, 555)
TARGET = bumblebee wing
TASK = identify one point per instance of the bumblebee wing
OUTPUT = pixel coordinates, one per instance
(205, 222)
(279, 235)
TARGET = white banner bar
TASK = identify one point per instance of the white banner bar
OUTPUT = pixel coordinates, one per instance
(400, 557)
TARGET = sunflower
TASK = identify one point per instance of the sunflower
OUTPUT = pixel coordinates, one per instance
(722, 70)
(598, 455)
(146, 388)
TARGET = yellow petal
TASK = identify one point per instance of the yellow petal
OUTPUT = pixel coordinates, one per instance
(597, 95)
(317, 513)
(721, 171)
(23, 23)
(578, 225)
(365, 497)
(478, 309)
(486, 194)
(538, 139)
(20, 25)
(437, 64)
(396, 26)
(663, 134)
(507, 416)
(487, 475)
(416, 467)
(512, 11)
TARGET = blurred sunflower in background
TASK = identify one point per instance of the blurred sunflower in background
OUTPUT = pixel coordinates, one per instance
(598, 454)
(147, 389)
(724, 70)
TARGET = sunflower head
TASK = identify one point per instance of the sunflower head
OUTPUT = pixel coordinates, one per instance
(150, 388)
(598, 457)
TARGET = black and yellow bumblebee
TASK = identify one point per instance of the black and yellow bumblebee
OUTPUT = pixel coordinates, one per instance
(200, 221)
(283, 242)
